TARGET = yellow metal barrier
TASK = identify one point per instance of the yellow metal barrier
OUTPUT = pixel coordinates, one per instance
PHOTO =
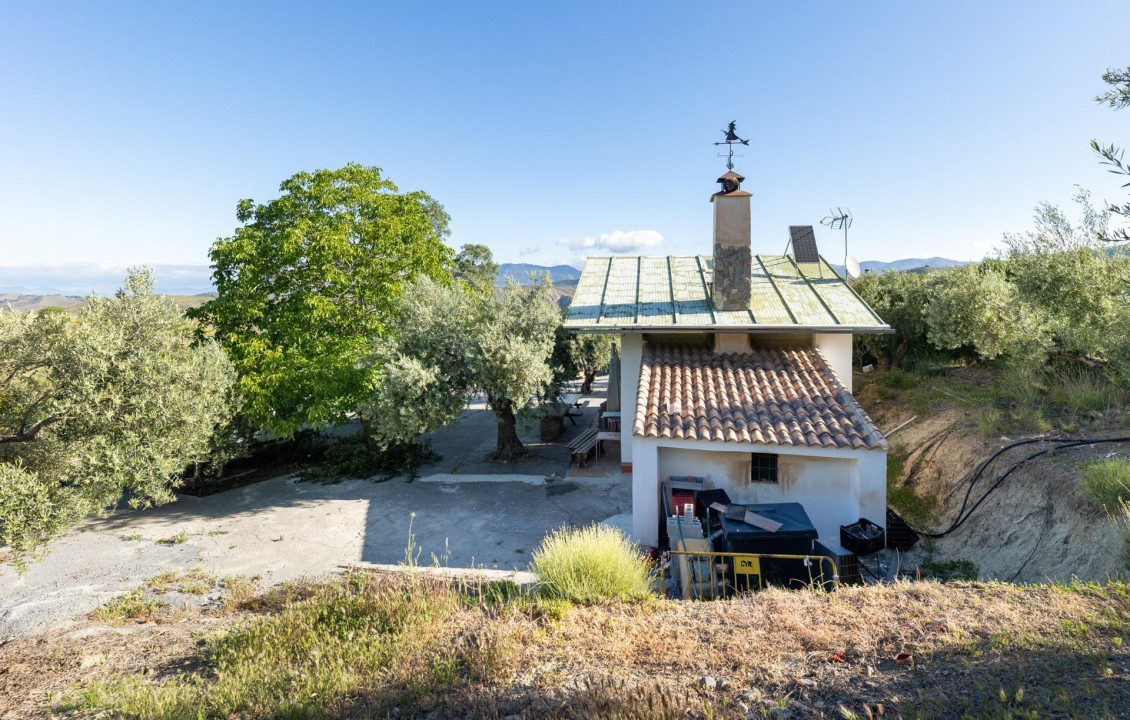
(746, 564)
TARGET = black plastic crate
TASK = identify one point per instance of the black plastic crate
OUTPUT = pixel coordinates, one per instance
(863, 537)
(900, 536)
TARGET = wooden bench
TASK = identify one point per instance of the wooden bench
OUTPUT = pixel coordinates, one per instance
(581, 446)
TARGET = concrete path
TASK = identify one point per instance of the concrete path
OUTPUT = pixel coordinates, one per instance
(284, 528)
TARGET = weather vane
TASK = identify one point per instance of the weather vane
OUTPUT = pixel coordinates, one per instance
(731, 137)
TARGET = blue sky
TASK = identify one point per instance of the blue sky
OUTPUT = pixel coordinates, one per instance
(131, 130)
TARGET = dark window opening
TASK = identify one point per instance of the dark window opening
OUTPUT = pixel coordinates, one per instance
(764, 468)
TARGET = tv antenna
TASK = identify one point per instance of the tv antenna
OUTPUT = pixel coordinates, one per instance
(836, 220)
(731, 137)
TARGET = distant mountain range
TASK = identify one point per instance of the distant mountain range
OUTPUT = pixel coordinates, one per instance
(78, 281)
(82, 280)
(907, 265)
(520, 272)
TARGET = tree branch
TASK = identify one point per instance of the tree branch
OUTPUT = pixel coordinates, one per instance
(1088, 360)
(29, 435)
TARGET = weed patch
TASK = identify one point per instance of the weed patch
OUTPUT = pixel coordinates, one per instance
(951, 569)
(178, 539)
(990, 422)
(898, 379)
(917, 510)
(1122, 522)
(133, 607)
(1107, 482)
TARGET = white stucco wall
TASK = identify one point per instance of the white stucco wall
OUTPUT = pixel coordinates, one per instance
(836, 487)
(631, 355)
(836, 348)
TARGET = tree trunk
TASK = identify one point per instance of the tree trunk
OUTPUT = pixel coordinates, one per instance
(586, 387)
(900, 352)
(508, 447)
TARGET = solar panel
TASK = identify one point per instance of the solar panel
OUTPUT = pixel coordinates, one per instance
(804, 244)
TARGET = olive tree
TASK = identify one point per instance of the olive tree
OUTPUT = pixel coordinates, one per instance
(307, 282)
(591, 353)
(450, 341)
(115, 401)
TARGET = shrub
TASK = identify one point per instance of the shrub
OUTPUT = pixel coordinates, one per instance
(359, 458)
(1107, 482)
(588, 565)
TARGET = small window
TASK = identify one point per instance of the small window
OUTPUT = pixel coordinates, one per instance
(764, 468)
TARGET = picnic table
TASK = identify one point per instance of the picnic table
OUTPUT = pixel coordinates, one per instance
(572, 401)
(605, 435)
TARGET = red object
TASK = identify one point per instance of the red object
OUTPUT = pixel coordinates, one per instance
(680, 500)
(904, 658)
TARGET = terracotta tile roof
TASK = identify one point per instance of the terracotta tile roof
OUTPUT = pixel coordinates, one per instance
(773, 396)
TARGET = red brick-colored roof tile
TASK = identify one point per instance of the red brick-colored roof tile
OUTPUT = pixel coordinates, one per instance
(786, 396)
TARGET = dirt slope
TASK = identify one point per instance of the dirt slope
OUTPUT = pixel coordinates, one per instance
(1036, 526)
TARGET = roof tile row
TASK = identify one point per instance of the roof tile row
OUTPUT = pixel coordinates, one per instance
(772, 396)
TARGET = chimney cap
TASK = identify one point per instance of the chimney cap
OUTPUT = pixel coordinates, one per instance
(731, 186)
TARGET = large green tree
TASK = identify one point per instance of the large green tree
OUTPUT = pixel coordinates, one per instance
(475, 266)
(309, 280)
(451, 341)
(120, 398)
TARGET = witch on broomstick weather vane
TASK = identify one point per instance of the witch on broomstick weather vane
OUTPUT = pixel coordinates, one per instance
(731, 134)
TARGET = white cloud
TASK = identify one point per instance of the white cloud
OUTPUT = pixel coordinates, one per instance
(582, 244)
(528, 250)
(617, 241)
(633, 240)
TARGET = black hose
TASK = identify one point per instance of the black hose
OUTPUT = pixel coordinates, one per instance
(1063, 444)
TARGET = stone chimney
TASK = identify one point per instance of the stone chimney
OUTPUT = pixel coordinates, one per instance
(732, 254)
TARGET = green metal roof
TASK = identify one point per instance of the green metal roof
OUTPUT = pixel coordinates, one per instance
(673, 293)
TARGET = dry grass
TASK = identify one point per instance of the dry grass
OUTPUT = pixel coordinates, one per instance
(370, 643)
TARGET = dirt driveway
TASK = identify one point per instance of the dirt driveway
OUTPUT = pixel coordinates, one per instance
(467, 513)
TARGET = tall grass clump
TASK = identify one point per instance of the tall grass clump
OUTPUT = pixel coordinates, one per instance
(1084, 391)
(1107, 482)
(590, 565)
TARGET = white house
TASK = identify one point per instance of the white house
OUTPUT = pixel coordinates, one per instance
(737, 368)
